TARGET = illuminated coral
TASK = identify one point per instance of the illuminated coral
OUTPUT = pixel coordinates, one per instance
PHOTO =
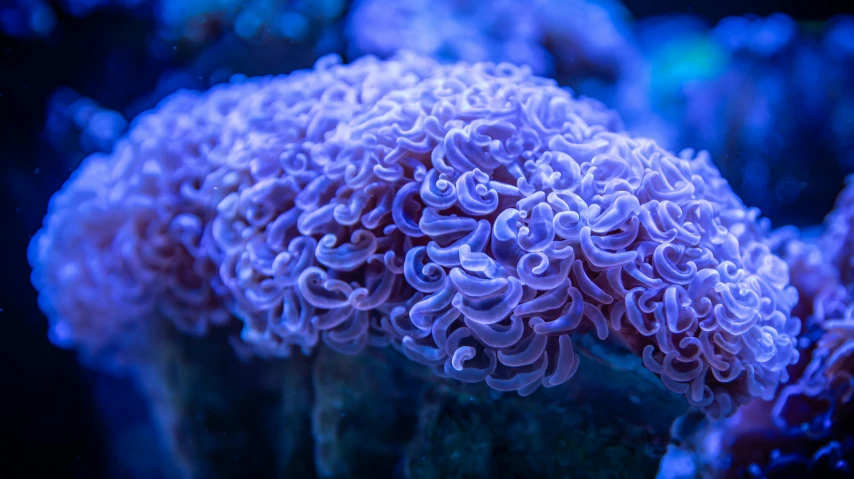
(122, 240)
(474, 216)
(760, 94)
(805, 430)
(809, 268)
(838, 240)
(77, 123)
(27, 18)
(578, 39)
(586, 44)
(450, 30)
(197, 21)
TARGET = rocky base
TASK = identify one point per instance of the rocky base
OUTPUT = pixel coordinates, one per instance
(378, 415)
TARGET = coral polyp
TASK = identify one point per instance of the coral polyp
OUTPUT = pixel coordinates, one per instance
(474, 216)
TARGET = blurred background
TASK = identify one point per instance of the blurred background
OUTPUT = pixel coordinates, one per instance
(766, 86)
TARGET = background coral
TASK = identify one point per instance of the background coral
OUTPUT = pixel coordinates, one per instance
(585, 44)
(194, 21)
(804, 431)
(760, 93)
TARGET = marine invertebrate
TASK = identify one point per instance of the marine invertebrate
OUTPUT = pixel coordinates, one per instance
(450, 30)
(804, 430)
(27, 17)
(812, 415)
(80, 124)
(583, 42)
(474, 216)
(814, 412)
(749, 91)
(828, 376)
(196, 21)
(586, 44)
(809, 268)
(838, 239)
(121, 241)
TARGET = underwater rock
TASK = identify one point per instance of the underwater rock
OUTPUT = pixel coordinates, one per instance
(220, 417)
(611, 421)
(336, 416)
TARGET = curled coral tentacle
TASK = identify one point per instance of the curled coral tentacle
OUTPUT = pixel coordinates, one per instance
(474, 216)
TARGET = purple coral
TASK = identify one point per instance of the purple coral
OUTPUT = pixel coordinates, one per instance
(576, 38)
(828, 379)
(809, 269)
(757, 35)
(123, 239)
(78, 123)
(473, 216)
(805, 429)
(838, 240)
(452, 30)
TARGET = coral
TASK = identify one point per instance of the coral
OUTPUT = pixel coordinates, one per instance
(450, 30)
(586, 44)
(474, 216)
(813, 413)
(804, 430)
(27, 18)
(838, 240)
(809, 268)
(827, 378)
(580, 38)
(196, 21)
(122, 240)
(79, 124)
(760, 94)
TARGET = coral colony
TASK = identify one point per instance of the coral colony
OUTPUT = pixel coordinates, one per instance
(804, 430)
(544, 34)
(474, 216)
(480, 220)
(194, 21)
(760, 94)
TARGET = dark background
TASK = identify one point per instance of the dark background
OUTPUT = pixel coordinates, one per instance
(49, 421)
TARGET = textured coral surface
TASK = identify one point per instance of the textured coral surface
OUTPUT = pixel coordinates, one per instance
(474, 216)
(805, 429)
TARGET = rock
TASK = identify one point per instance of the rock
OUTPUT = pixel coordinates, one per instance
(378, 414)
